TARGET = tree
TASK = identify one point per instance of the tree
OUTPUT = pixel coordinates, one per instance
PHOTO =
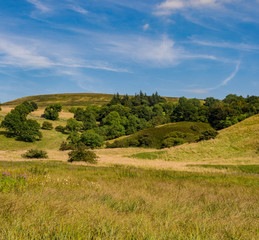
(17, 124)
(89, 121)
(30, 131)
(91, 139)
(73, 125)
(51, 112)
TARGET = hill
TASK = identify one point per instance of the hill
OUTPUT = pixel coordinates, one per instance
(164, 135)
(238, 143)
(70, 99)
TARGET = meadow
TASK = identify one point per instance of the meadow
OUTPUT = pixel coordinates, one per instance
(205, 190)
(55, 200)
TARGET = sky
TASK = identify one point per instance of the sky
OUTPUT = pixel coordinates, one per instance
(191, 48)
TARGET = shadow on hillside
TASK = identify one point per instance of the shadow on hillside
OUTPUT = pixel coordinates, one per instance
(6, 134)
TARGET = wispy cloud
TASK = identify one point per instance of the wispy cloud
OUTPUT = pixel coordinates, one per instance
(223, 83)
(35, 54)
(169, 6)
(231, 45)
(146, 27)
(39, 5)
(79, 9)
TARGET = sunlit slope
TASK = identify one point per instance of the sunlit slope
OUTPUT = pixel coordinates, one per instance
(238, 143)
(70, 99)
(51, 139)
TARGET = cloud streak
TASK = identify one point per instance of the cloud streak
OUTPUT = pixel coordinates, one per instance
(39, 5)
(223, 83)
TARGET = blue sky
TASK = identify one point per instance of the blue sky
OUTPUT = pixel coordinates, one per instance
(192, 48)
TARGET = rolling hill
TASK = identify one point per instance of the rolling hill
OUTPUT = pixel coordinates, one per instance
(238, 143)
(70, 99)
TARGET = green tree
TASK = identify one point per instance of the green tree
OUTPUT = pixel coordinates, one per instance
(89, 121)
(91, 139)
(30, 131)
(51, 112)
(73, 125)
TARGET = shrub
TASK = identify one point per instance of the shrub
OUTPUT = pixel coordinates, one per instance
(34, 153)
(66, 146)
(208, 134)
(82, 155)
(171, 141)
(60, 128)
(47, 126)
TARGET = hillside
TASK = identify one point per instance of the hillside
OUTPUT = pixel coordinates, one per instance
(238, 143)
(70, 99)
(163, 135)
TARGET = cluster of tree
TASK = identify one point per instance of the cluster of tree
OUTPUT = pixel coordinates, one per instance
(127, 115)
(19, 126)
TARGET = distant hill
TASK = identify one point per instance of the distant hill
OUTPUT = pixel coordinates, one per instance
(70, 99)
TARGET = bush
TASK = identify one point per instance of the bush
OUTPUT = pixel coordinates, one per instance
(171, 141)
(66, 146)
(208, 134)
(82, 155)
(60, 128)
(34, 153)
(47, 126)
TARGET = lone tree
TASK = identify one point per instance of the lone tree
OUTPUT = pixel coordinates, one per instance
(51, 112)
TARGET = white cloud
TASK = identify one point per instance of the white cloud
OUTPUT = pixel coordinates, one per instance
(21, 56)
(146, 27)
(231, 45)
(36, 54)
(39, 5)
(169, 6)
(79, 9)
(223, 83)
(159, 51)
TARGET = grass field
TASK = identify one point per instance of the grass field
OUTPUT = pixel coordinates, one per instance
(54, 200)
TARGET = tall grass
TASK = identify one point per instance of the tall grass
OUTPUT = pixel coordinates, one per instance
(63, 201)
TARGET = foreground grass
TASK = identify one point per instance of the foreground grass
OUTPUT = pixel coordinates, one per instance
(61, 201)
(239, 168)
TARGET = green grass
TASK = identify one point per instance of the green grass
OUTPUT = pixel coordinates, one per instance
(240, 168)
(63, 201)
(148, 155)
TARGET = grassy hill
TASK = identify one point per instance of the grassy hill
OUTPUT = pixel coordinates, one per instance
(70, 99)
(238, 143)
(153, 137)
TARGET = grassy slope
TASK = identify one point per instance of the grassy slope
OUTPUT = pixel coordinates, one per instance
(64, 201)
(239, 142)
(51, 139)
(70, 99)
